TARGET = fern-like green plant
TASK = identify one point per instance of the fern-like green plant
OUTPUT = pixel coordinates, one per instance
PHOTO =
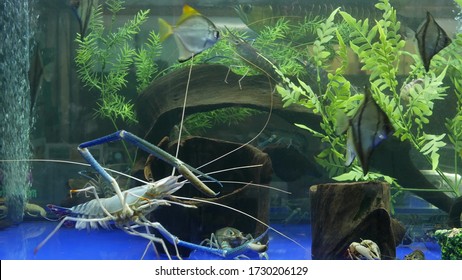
(381, 58)
(276, 42)
(105, 56)
(326, 104)
(379, 48)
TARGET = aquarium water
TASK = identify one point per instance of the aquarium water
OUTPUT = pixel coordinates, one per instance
(310, 127)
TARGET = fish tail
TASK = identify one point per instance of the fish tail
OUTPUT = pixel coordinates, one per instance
(165, 29)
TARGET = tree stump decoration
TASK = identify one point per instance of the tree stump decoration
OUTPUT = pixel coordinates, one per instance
(194, 225)
(342, 213)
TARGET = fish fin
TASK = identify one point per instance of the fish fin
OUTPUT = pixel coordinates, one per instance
(165, 29)
(367, 94)
(342, 122)
(385, 131)
(350, 153)
(188, 12)
(183, 53)
(82, 10)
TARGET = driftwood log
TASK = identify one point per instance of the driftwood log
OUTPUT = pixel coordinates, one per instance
(159, 106)
(159, 109)
(238, 191)
(351, 212)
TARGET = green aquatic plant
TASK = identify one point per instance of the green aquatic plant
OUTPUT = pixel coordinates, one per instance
(275, 42)
(224, 52)
(199, 123)
(453, 58)
(105, 57)
(450, 242)
(325, 104)
(380, 48)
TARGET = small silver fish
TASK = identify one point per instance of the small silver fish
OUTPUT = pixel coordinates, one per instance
(405, 91)
(254, 58)
(193, 33)
(366, 130)
(431, 39)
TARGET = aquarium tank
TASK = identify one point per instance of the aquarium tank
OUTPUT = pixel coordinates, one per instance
(265, 129)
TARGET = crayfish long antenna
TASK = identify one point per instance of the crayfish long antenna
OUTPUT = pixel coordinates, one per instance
(75, 163)
(188, 174)
(253, 138)
(183, 111)
(245, 214)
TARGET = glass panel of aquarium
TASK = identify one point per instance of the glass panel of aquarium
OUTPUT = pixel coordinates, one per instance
(265, 129)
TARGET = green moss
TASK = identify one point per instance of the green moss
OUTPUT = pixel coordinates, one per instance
(450, 242)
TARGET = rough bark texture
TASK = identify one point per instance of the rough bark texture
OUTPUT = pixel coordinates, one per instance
(351, 212)
(159, 106)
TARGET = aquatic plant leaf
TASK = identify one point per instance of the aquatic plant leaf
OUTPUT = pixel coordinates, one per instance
(430, 146)
(331, 160)
(115, 6)
(326, 32)
(342, 53)
(380, 57)
(352, 175)
(312, 131)
(422, 97)
(348, 18)
(199, 123)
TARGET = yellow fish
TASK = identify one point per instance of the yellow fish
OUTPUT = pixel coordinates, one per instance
(193, 33)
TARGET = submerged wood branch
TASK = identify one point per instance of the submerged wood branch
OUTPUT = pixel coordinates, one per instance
(159, 106)
(159, 109)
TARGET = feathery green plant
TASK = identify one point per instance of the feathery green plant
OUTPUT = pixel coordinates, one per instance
(105, 56)
(272, 40)
(224, 53)
(199, 123)
(276, 40)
